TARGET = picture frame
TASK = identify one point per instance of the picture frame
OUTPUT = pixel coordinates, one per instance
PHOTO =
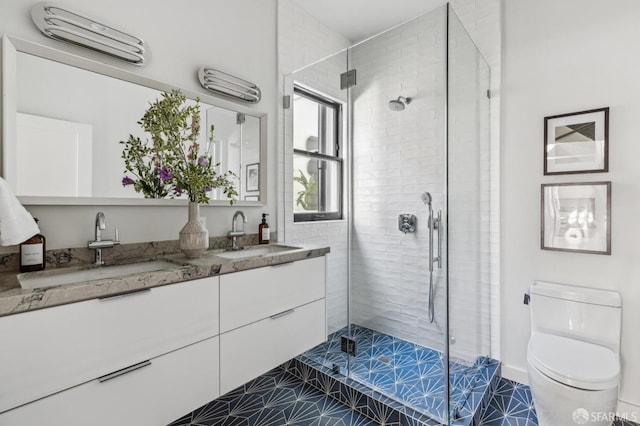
(576, 217)
(251, 198)
(577, 142)
(253, 177)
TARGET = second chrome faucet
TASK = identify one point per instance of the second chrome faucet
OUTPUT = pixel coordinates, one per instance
(98, 243)
(235, 233)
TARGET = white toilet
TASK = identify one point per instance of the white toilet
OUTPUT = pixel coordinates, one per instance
(573, 355)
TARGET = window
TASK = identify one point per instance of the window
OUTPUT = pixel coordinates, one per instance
(317, 165)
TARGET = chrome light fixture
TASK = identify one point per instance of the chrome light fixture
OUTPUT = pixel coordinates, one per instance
(228, 86)
(63, 24)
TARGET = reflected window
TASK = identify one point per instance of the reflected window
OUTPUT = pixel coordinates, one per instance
(317, 162)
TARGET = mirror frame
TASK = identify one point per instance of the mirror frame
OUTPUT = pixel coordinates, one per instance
(8, 82)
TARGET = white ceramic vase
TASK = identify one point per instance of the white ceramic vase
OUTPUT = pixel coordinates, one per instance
(194, 238)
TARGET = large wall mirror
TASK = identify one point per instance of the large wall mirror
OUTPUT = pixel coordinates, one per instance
(63, 118)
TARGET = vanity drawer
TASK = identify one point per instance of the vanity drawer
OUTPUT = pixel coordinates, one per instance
(154, 394)
(252, 295)
(49, 350)
(249, 351)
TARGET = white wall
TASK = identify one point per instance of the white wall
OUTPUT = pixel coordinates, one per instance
(562, 57)
(238, 37)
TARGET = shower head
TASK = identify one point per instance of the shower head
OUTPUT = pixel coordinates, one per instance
(399, 104)
(426, 198)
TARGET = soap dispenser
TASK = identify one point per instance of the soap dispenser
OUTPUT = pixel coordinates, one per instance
(264, 233)
(33, 253)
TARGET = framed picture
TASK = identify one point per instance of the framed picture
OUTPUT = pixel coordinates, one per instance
(576, 217)
(251, 198)
(253, 177)
(577, 142)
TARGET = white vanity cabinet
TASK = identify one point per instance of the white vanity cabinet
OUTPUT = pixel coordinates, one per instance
(64, 354)
(151, 356)
(154, 393)
(268, 316)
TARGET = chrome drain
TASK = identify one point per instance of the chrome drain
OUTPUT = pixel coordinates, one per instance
(384, 359)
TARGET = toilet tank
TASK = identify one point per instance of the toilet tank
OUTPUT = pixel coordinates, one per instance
(581, 313)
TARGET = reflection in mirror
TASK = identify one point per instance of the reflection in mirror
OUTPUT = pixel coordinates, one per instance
(69, 122)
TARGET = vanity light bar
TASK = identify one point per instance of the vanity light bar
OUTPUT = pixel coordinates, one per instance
(64, 25)
(228, 85)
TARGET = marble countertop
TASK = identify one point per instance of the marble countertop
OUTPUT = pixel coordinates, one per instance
(14, 299)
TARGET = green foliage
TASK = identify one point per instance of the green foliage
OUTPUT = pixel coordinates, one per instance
(171, 162)
(307, 198)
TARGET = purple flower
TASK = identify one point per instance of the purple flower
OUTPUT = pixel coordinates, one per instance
(207, 189)
(203, 161)
(179, 191)
(165, 174)
(127, 181)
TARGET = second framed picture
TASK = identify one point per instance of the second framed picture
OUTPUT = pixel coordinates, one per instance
(576, 217)
(577, 142)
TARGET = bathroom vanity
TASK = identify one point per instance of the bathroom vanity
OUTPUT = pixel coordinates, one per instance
(156, 350)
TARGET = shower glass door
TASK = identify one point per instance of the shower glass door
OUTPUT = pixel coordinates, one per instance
(315, 164)
(468, 219)
(399, 124)
(397, 305)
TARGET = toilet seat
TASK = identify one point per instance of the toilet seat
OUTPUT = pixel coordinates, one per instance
(574, 362)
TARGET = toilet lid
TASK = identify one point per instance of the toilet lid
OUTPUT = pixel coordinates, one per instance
(574, 362)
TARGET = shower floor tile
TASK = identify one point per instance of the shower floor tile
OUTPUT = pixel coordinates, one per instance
(274, 399)
(409, 373)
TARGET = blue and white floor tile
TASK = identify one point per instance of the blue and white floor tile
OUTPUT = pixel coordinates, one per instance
(277, 399)
(274, 399)
(511, 405)
(407, 372)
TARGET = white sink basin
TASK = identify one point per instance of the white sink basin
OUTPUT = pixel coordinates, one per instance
(31, 280)
(256, 251)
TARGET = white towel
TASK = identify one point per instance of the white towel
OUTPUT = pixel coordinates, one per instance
(16, 224)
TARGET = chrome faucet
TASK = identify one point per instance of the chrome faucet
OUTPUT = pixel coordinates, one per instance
(98, 244)
(234, 233)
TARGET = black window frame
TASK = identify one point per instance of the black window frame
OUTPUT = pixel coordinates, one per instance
(336, 107)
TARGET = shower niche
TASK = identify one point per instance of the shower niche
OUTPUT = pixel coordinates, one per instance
(416, 122)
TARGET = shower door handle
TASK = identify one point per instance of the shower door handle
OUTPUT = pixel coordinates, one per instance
(431, 228)
(435, 224)
(439, 228)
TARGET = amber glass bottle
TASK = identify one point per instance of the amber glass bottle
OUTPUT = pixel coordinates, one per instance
(264, 233)
(33, 254)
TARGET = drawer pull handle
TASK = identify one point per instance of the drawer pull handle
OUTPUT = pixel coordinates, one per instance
(124, 371)
(125, 293)
(282, 314)
(281, 264)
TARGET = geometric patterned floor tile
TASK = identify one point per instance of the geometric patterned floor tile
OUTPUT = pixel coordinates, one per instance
(511, 405)
(274, 399)
(623, 422)
(409, 373)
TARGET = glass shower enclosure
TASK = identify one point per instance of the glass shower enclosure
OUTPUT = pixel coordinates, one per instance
(397, 127)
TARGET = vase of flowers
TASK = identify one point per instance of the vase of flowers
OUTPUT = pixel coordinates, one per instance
(173, 163)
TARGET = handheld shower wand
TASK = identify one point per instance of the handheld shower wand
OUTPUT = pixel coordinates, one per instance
(434, 224)
(426, 199)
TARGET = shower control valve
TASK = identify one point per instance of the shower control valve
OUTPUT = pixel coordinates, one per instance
(407, 223)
